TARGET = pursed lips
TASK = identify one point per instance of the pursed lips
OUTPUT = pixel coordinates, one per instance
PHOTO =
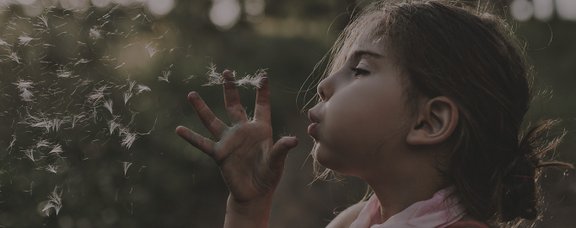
(313, 127)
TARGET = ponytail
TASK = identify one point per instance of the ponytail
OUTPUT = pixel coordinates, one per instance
(519, 191)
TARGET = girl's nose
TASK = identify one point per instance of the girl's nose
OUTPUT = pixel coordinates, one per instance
(325, 89)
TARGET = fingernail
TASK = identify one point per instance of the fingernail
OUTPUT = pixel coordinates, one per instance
(192, 95)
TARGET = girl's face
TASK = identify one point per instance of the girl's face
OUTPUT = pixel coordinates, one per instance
(362, 120)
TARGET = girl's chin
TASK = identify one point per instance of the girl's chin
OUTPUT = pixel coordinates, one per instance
(327, 158)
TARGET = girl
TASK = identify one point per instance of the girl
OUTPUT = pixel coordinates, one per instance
(424, 101)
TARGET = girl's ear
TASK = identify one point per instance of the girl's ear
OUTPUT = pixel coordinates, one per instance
(435, 123)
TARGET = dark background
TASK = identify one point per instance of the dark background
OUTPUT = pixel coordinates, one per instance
(66, 50)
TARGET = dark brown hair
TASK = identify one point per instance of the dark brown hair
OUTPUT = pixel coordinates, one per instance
(470, 56)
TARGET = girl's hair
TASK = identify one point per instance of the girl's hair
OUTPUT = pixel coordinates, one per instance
(446, 49)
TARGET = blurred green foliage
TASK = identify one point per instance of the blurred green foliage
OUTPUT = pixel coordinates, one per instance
(160, 180)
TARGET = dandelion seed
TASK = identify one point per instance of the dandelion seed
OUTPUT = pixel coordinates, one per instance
(136, 17)
(189, 78)
(97, 95)
(29, 153)
(131, 85)
(25, 40)
(142, 88)
(127, 96)
(54, 202)
(214, 78)
(63, 73)
(77, 118)
(11, 144)
(119, 66)
(126, 166)
(95, 33)
(51, 168)
(48, 125)
(128, 138)
(165, 75)
(151, 50)
(4, 43)
(81, 61)
(252, 80)
(44, 20)
(112, 126)
(14, 57)
(24, 87)
(57, 150)
(108, 105)
(43, 143)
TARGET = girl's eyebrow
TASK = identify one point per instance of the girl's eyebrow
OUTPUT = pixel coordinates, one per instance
(360, 53)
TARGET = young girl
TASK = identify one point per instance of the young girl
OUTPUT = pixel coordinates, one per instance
(424, 101)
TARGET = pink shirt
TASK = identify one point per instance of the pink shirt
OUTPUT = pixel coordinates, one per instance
(438, 211)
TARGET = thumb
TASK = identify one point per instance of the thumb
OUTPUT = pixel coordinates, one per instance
(280, 150)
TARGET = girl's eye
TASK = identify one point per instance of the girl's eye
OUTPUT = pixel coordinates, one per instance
(359, 71)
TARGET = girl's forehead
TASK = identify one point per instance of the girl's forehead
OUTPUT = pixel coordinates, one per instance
(367, 43)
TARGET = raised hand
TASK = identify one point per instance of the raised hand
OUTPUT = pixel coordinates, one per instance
(250, 162)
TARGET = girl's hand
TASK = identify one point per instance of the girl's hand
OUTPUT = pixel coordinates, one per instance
(250, 162)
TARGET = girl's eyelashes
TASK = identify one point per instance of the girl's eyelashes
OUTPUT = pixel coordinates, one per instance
(359, 71)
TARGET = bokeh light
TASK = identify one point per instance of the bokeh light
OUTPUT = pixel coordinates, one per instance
(522, 10)
(225, 13)
(160, 8)
(543, 9)
(566, 9)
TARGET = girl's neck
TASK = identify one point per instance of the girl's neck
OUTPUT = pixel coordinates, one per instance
(398, 193)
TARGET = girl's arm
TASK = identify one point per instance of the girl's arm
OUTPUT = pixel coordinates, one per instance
(251, 163)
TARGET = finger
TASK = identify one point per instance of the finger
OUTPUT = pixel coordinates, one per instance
(232, 99)
(212, 123)
(262, 108)
(280, 150)
(202, 143)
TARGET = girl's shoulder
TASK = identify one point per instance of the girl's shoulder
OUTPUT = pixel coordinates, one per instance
(347, 216)
(468, 224)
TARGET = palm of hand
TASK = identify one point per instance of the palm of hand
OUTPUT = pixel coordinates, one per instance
(250, 162)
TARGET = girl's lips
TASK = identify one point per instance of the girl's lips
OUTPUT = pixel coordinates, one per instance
(313, 130)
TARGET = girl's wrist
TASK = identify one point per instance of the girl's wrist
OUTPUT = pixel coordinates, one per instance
(254, 213)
